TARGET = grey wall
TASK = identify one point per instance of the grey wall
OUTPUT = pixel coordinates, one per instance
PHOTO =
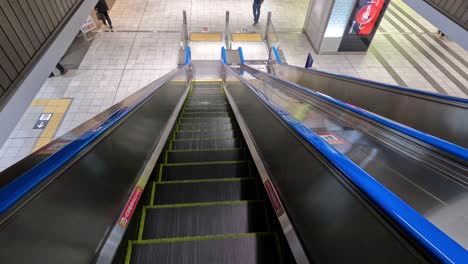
(452, 28)
(317, 20)
(456, 10)
(25, 27)
(21, 46)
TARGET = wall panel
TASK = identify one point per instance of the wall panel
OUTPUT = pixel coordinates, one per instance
(26, 27)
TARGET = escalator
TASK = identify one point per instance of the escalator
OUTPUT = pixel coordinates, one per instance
(200, 167)
(206, 204)
(437, 115)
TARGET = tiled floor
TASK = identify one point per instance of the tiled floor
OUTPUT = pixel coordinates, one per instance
(146, 42)
(406, 51)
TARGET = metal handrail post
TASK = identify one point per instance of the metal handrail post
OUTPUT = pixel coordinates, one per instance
(184, 28)
(226, 31)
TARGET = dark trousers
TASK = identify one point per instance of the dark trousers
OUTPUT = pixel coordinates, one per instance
(105, 16)
(60, 68)
(256, 12)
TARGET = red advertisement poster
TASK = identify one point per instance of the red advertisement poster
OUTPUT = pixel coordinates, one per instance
(368, 12)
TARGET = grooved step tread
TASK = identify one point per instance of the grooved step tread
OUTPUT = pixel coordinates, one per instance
(206, 114)
(205, 171)
(206, 134)
(207, 110)
(205, 156)
(207, 104)
(202, 192)
(206, 120)
(205, 85)
(206, 126)
(192, 221)
(227, 143)
(249, 249)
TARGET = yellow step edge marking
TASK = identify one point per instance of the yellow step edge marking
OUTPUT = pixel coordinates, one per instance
(58, 108)
(205, 37)
(207, 81)
(246, 37)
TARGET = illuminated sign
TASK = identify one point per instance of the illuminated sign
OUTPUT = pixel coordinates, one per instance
(366, 16)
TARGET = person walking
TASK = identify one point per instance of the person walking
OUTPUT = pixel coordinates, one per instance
(102, 13)
(61, 69)
(257, 4)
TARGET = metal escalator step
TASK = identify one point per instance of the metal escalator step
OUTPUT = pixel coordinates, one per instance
(206, 114)
(207, 95)
(224, 143)
(235, 249)
(205, 156)
(203, 192)
(207, 110)
(205, 220)
(206, 101)
(175, 172)
(205, 104)
(197, 120)
(206, 126)
(206, 134)
(211, 89)
(205, 85)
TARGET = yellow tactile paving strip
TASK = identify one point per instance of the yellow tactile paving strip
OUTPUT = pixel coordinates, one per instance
(246, 37)
(205, 37)
(58, 108)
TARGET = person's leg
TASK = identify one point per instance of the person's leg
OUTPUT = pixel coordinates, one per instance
(103, 17)
(254, 12)
(60, 68)
(107, 17)
(258, 12)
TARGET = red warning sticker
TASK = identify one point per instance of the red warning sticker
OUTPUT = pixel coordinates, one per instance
(54, 147)
(275, 201)
(332, 138)
(130, 207)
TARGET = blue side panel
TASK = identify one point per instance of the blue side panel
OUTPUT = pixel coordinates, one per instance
(188, 55)
(278, 59)
(396, 87)
(223, 55)
(241, 55)
(433, 239)
(424, 137)
(18, 188)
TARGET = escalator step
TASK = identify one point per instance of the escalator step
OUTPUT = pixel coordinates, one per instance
(205, 85)
(205, 156)
(174, 172)
(206, 126)
(207, 98)
(206, 134)
(205, 120)
(206, 104)
(203, 192)
(210, 89)
(206, 110)
(206, 114)
(226, 143)
(207, 95)
(190, 221)
(245, 249)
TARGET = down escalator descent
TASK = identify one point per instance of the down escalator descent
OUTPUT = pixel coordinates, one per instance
(207, 202)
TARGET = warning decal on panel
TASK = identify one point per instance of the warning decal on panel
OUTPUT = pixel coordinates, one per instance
(130, 207)
(274, 199)
(332, 138)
